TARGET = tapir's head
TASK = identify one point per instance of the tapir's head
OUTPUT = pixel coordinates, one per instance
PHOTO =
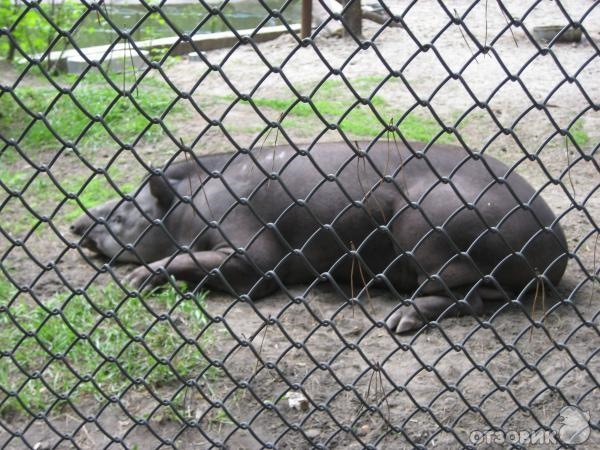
(124, 229)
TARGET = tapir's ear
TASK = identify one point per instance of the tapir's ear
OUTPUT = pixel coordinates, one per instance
(161, 189)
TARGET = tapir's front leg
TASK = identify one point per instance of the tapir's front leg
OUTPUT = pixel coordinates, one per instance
(237, 275)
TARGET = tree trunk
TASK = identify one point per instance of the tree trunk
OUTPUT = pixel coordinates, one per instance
(353, 17)
(11, 51)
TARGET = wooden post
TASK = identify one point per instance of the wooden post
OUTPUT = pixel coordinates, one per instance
(306, 23)
(353, 17)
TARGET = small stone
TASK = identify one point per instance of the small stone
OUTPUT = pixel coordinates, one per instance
(312, 433)
(296, 400)
(363, 430)
(42, 446)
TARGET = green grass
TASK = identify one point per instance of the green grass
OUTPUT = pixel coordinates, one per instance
(579, 135)
(332, 87)
(69, 119)
(96, 97)
(42, 191)
(95, 193)
(68, 340)
(7, 290)
(333, 99)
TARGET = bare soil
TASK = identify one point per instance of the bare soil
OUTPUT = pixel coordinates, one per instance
(364, 385)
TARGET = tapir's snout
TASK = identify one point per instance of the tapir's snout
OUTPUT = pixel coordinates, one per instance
(81, 225)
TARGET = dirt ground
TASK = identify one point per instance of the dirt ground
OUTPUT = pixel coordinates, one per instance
(365, 386)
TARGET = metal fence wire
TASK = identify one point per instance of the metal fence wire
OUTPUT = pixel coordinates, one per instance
(215, 232)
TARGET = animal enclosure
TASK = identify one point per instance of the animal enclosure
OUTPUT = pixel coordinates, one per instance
(90, 360)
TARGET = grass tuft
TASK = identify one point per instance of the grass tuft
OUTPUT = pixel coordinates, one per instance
(335, 103)
(7, 290)
(96, 192)
(67, 117)
(98, 343)
(42, 191)
(580, 137)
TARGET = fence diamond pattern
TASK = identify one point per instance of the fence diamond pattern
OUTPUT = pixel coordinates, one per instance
(269, 345)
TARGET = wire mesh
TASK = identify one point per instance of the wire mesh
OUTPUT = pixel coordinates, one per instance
(216, 233)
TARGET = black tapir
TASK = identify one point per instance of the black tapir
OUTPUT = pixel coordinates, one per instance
(450, 227)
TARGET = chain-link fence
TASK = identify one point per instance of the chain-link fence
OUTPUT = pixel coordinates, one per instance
(217, 232)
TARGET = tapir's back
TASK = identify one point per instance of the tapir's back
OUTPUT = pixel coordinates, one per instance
(332, 198)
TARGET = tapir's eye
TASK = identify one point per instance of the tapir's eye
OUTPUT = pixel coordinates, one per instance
(118, 219)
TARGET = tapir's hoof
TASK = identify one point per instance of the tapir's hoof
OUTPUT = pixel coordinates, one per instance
(144, 279)
(403, 320)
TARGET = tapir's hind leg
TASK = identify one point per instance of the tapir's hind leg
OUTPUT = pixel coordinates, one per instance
(407, 318)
